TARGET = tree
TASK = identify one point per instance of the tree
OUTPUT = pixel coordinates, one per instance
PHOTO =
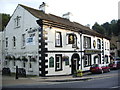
(98, 28)
(5, 19)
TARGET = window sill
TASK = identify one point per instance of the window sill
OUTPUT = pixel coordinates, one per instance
(59, 70)
(30, 70)
(23, 47)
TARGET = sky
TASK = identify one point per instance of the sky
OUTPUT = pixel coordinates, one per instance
(83, 11)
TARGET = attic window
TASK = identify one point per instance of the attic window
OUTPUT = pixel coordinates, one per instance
(17, 22)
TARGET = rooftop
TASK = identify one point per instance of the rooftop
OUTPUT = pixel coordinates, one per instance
(62, 21)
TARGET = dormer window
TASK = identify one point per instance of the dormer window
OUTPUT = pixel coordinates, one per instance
(17, 22)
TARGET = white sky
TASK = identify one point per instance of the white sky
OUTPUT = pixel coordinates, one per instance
(83, 11)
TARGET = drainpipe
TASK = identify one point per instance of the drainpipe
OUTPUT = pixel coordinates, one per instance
(81, 47)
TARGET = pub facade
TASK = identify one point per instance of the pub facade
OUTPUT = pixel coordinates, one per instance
(45, 44)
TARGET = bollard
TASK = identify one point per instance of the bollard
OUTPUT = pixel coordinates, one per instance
(16, 76)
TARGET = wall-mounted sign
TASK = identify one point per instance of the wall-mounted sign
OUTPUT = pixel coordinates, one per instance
(71, 39)
(30, 41)
(92, 51)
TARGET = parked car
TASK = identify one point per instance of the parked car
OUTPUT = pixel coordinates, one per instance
(115, 65)
(99, 68)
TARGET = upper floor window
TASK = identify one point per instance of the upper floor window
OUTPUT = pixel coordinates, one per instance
(6, 40)
(17, 22)
(87, 42)
(98, 44)
(14, 41)
(23, 40)
(58, 39)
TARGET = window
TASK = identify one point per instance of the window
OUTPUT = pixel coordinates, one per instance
(67, 62)
(58, 39)
(14, 63)
(6, 42)
(98, 44)
(23, 63)
(58, 58)
(14, 42)
(87, 60)
(23, 40)
(51, 62)
(17, 22)
(87, 42)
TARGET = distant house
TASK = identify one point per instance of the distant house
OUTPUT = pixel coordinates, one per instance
(45, 44)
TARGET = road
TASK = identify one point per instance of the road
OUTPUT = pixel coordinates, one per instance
(105, 80)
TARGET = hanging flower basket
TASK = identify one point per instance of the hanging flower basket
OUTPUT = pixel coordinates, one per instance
(18, 58)
(33, 59)
(24, 58)
(8, 57)
(65, 58)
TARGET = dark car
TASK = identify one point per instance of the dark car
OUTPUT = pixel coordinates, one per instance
(115, 65)
(99, 68)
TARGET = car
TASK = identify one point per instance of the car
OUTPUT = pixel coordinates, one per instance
(114, 65)
(99, 68)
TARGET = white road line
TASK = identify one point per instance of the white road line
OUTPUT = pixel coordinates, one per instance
(116, 87)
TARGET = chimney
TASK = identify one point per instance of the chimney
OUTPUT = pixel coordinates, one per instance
(42, 7)
(67, 15)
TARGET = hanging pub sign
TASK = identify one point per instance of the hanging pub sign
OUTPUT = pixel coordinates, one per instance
(71, 39)
(92, 51)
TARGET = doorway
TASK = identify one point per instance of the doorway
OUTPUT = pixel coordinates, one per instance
(75, 63)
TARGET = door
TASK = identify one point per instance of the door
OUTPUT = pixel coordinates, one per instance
(74, 63)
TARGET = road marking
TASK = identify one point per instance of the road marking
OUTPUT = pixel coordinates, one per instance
(116, 87)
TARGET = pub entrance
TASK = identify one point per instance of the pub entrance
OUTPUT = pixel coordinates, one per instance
(75, 62)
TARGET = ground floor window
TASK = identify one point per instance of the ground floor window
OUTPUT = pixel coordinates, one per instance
(58, 63)
(51, 62)
(87, 60)
(106, 59)
(97, 59)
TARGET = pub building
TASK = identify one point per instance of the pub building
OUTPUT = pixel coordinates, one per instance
(45, 44)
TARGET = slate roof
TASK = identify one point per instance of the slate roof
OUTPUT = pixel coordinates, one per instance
(53, 18)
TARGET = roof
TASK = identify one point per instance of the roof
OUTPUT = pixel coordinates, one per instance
(59, 20)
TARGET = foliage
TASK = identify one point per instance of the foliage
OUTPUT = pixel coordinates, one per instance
(98, 28)
(108, 28)
(5, 19)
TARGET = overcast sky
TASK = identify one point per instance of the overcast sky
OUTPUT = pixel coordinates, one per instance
(83, 11)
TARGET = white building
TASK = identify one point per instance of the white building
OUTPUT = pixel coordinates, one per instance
(45, 44)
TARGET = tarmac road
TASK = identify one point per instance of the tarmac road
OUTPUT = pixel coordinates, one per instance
(105, 80)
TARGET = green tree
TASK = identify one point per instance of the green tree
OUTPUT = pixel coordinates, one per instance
(5, 19)
(98, 28)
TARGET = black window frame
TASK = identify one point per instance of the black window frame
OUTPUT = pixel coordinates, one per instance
(86, 39)
(58, 69)
(98, 44)
(60, 39)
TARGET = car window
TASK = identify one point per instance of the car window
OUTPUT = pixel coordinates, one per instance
(95, 65)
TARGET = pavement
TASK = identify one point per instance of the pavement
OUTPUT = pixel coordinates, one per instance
(10, 80)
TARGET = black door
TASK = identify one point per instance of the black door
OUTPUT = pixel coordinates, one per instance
(74, 63)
